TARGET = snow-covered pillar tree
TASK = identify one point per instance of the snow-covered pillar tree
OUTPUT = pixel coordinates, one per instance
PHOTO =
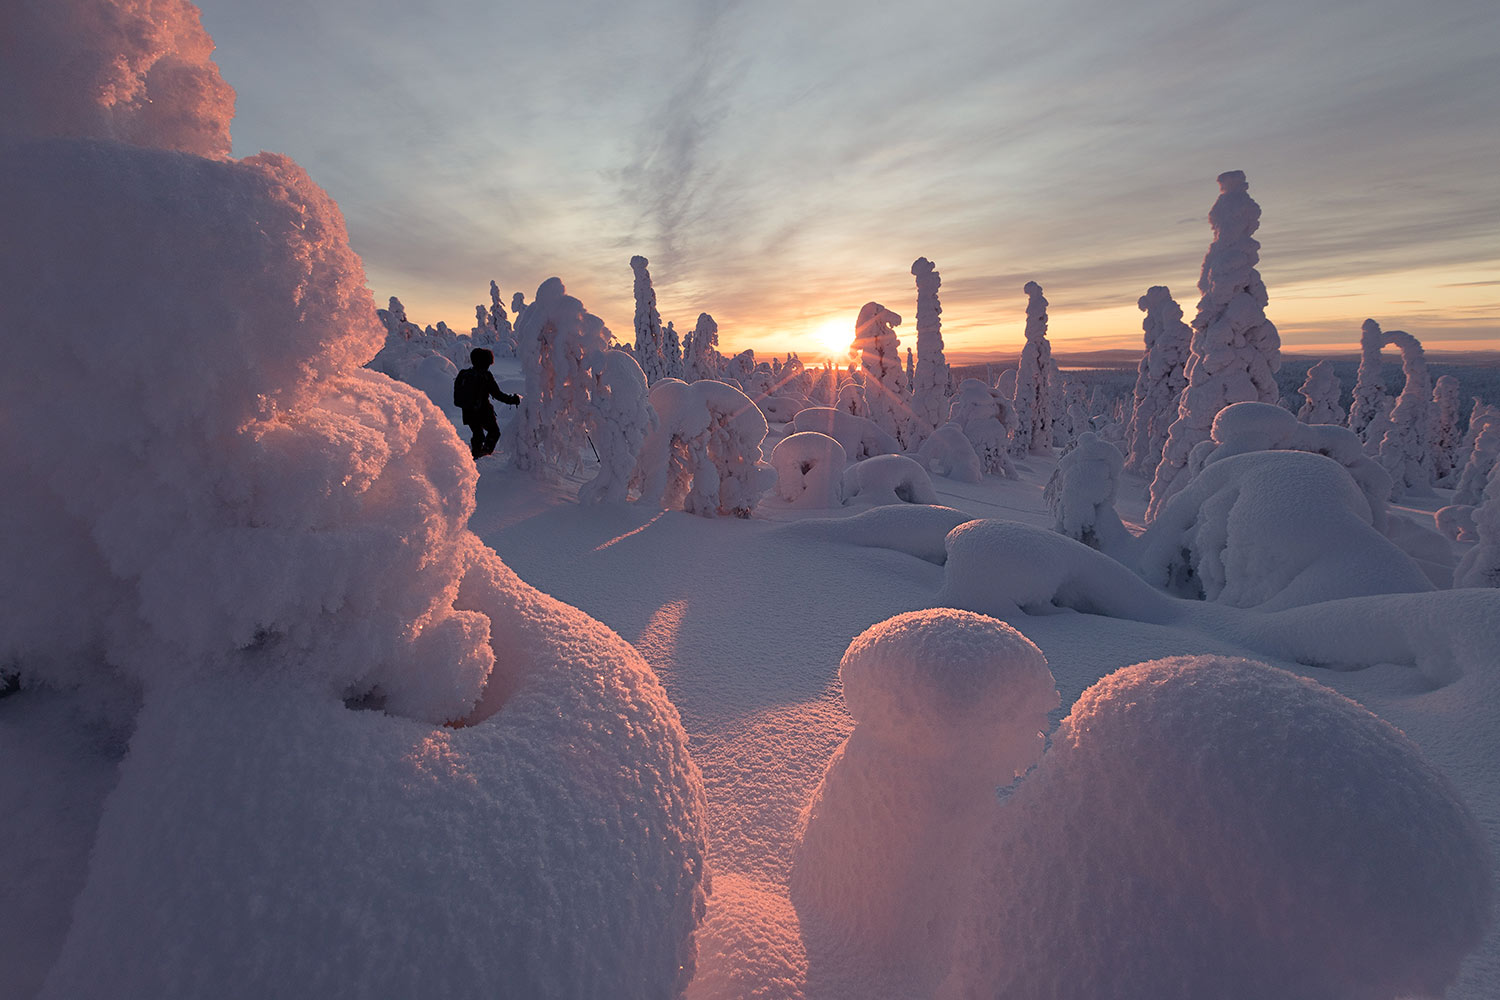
(911, 368)
(1481, 458)
(885, 381)
(671, 351)
(1369, 387)
(1159, 379)
(648, 334)
(1057, 406)
(703, 360)
(1320, 396)
(1480, 566)
(1033, 428)
(1445, 436)
(1406, 448)
(1235, 350)
(929, 380)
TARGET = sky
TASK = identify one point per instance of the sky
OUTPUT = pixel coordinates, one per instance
(780, 164)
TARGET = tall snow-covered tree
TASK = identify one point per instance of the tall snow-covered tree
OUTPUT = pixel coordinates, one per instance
(1445, 436)
(561, 347)
(671, 351)
(1033, 428)
(1235, 350)
(929, 380)
(1406, 447)
(1480, 566)
(1485, 428)
(1159, 379)
(701, 354)
(1369, 385)
(1320, 396)
(885, 380)
(648, 332)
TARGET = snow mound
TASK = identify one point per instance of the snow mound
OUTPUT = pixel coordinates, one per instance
(1207, 826)
(947, 704)
(918, 530)
(1273, 529)
(947, 452)
(750, 945)
(781, 409)
(860, 436)
(809, 470)
(886, 479)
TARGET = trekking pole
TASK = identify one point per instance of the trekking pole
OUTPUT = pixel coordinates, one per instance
(596, 450)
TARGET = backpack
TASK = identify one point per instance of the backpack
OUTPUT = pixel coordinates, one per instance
(468, 393)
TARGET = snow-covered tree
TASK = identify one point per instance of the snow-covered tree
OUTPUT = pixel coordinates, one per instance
(492, 329)
(911, 368)
(704, 455)
(561, 347)
(618, 421)
(1480, 566)
(885, 380)
(929, 378)
(1081, 496)
(1159, 379)
(1235, 350)
(1485, 428)
(1057, 404)
(1445, 436)
(1369, 386)
(987, 418)
(1320, 396)
(1032, 431)
(671, 351)
(1406, 447)
(648, 333)
(518, 305)
(701, 358)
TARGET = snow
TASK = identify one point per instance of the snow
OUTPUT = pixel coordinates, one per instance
(809, 470)
(930, 372)
(888, 479)
(946, 451)
(860, 436)
(704, 455)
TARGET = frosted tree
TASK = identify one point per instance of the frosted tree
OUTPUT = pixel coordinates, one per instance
(648, 332)
(1032, 431)
(1406, 446)
(884, 378)
(911, 368)
(1481, 458)
(671, 351)
(1480, 566)
(1445, 436)
(561, 347)
(1320, 396)
(1235, 350)
(1081, 496)
(1159, 379)
(518, 305)
(1369, 386)
(929, 379)
(492, 327)
(987, 417)
(701, 355)
(618, 421)
(704, 455)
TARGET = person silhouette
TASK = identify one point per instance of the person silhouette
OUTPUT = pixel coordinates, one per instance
(472, 390)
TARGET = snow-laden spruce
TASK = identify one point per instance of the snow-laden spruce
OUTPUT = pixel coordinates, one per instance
(704, 455)
(860, 437)
(619, 420)
(885, 389)
(947, 452)
(1406, 447)
(226, 538)
(1032, 429)
(1445, 435)
(650, 341)
(1480, 566)
(929, 375)
(1081, 496)
(700, 351)
(1369, 384)
(1484, 455)
(987, 417)
(1235, 350)
(1320, 396)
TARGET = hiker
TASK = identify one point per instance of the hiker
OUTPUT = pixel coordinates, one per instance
(472, 390)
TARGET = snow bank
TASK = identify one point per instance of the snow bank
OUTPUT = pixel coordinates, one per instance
(946, 451)
(947, 704)
(1273, 529)
(860, 436)
(809, 470)
(887, 479)
(781, 409)
(919, 530)
(1180, 840)
(704, 456)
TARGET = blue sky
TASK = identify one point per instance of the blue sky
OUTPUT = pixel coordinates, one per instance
(783, 163)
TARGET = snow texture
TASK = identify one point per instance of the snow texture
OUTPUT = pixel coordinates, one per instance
(1235, 349)
(987, 417)
(704, 455)
(860, 436)
(1188, 834)
(1032, 428)
(1320, 396)
(134, 71)
(264, 534)
(947, 452)
(809, 470)
(930, 374)
(1081, 496)
(886, 479)
(885, 389)
(947, 704)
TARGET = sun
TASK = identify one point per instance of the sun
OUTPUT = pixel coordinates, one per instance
(833, 337)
